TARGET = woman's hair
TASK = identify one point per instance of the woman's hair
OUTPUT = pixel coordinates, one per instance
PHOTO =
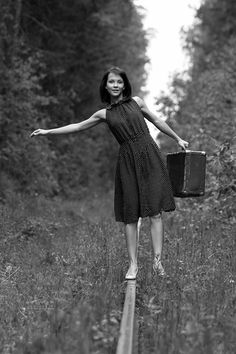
(105, 96)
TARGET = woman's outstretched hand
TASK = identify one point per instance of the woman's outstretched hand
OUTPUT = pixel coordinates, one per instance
(38, 132)
(183, 144)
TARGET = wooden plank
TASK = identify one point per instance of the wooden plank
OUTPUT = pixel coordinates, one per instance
(125, 341)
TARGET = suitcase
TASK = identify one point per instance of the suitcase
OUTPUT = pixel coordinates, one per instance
(187, 171)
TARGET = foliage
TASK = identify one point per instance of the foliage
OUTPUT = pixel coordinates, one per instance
(54, 54)
(61, 272)
(202, 108)
(57, 285)
(21, 102)
(62, 283)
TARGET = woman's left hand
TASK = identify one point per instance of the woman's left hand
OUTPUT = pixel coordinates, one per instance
(183, 144)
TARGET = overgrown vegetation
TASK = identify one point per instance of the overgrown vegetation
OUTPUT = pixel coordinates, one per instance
(53, 56)
(62, 281)
(62, 262)
(202, 108)
(193, 310)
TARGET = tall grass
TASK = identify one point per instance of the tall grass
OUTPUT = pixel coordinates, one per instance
(193, 310)
(62, 281)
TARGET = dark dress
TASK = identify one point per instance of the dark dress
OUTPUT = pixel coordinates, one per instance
(142, 186)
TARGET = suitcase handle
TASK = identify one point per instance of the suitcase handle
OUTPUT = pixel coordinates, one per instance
(188, 151)
(199, 152)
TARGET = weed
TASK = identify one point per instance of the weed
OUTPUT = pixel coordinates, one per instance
(62, 281)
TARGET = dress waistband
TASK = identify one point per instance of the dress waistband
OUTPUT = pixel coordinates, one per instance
(136, 137)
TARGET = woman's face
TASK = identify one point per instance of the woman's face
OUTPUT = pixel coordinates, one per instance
(115, 85)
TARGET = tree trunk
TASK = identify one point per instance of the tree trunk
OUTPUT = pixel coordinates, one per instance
(16, 27)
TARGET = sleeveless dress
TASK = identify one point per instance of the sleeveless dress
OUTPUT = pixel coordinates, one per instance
(142, 185)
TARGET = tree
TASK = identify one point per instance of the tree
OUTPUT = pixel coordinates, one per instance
(58, 53)
(206, 110)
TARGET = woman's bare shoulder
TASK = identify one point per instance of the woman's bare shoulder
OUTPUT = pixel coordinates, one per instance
(139, 101)
(100, 114)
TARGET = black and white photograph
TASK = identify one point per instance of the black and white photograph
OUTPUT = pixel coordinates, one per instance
(117, 177)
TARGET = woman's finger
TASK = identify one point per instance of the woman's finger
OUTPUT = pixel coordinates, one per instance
(183, 144)
(35, 132)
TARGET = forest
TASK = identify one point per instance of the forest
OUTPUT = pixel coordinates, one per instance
(53, 56)
(202, 107)
(62, 254)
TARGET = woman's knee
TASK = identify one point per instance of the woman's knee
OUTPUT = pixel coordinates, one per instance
(131, 225)
(155, 218)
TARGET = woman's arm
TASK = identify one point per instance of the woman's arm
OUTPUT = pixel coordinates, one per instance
(159, 123)
(97, 118)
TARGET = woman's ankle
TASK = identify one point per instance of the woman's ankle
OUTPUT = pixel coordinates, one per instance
(133, 263)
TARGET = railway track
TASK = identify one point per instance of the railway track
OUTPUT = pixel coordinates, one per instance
(126, 337)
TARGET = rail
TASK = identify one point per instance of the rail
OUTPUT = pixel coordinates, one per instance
(125, 341)
(126, 337)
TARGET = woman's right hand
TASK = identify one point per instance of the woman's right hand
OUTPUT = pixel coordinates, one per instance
(39, 132)
(183, 144)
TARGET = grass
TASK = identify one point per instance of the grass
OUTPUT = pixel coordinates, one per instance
(62, 268)
(193, 311)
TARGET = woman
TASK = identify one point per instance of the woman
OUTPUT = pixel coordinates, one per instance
(142, 186)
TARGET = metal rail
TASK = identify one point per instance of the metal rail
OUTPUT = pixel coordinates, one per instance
(125, 342)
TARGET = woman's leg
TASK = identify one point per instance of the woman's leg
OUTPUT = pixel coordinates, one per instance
(131, 242)
(131, 232)
(138, 230)
(157, 233)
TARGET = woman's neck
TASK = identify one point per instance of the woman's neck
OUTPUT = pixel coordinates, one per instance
(117, 99)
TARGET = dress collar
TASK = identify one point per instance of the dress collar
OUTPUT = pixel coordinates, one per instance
(125, 99)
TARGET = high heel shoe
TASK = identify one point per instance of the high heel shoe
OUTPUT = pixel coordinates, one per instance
(132, 273)
(157, 266)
